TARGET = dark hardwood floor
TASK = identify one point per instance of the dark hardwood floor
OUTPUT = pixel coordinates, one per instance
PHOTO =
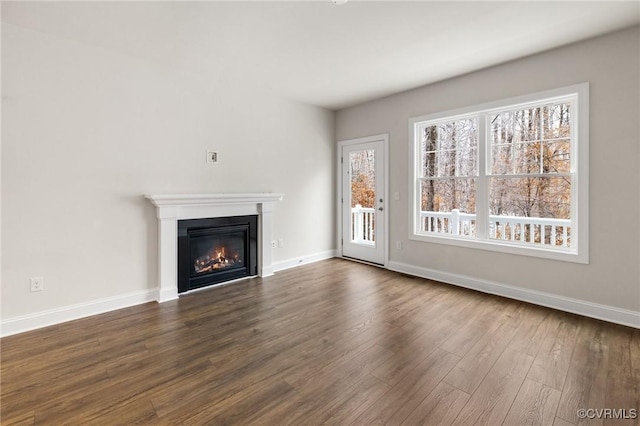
(334, 342)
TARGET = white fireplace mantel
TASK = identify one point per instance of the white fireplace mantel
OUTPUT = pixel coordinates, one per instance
(171, 208)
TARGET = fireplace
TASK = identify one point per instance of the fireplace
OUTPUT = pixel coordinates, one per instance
(216, 250)
(173, 208)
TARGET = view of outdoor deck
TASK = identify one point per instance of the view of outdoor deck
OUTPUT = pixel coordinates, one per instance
(544, 231)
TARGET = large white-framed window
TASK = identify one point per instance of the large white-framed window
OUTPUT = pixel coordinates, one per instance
(509, 176)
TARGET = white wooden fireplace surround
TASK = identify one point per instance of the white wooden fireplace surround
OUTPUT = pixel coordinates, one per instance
(174, 207)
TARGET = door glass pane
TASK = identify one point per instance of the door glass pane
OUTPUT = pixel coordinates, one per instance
(363, 196)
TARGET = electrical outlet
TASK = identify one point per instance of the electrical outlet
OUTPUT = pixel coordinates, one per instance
(37, 284)
(273, 244)
(280, 242)
(399, 245)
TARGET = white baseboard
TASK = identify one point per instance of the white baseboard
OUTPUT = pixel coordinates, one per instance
(303, 260)
(576, 306)
(56, 316)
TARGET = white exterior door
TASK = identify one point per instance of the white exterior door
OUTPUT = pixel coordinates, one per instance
(363, 200)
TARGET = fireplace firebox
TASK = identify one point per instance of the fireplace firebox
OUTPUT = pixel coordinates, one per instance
(216, 250)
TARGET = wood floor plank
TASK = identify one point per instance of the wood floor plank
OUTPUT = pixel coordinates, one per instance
(329, 387)
(440, 407)
(472, 369)
(343, 367)
(348, 406)
(487, 316)
(334, 353)
(333, 342)
(19, 375)
(35, 399)
(133, 411)
(215, 384)
(404, 362)
(491, 402)
(23, 419)
(243, 404)
(535, 404)
(407, 394)
(622, 387)
(585, 385)
(411, 307)
(465, 337)
(111, 395)
(535, 325)
(552, 362)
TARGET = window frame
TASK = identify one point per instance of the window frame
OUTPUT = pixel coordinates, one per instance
(579, 252)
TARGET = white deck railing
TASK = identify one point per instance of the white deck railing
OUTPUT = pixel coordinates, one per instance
(546, 231)
(363, 225)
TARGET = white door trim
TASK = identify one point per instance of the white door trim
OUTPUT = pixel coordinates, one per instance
(384, 138)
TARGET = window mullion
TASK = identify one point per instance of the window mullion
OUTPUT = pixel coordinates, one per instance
(482, 185)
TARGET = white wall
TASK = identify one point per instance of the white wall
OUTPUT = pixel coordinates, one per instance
(87, 131)
(611, 64)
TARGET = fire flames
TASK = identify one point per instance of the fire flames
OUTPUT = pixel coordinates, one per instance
(218, 259)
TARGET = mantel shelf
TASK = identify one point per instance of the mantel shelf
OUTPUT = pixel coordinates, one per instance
(170, 200)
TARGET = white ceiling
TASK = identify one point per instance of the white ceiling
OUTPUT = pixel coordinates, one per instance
(320, 53)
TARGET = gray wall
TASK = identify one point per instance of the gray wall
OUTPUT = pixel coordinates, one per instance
(611, 64)
(87, 131)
